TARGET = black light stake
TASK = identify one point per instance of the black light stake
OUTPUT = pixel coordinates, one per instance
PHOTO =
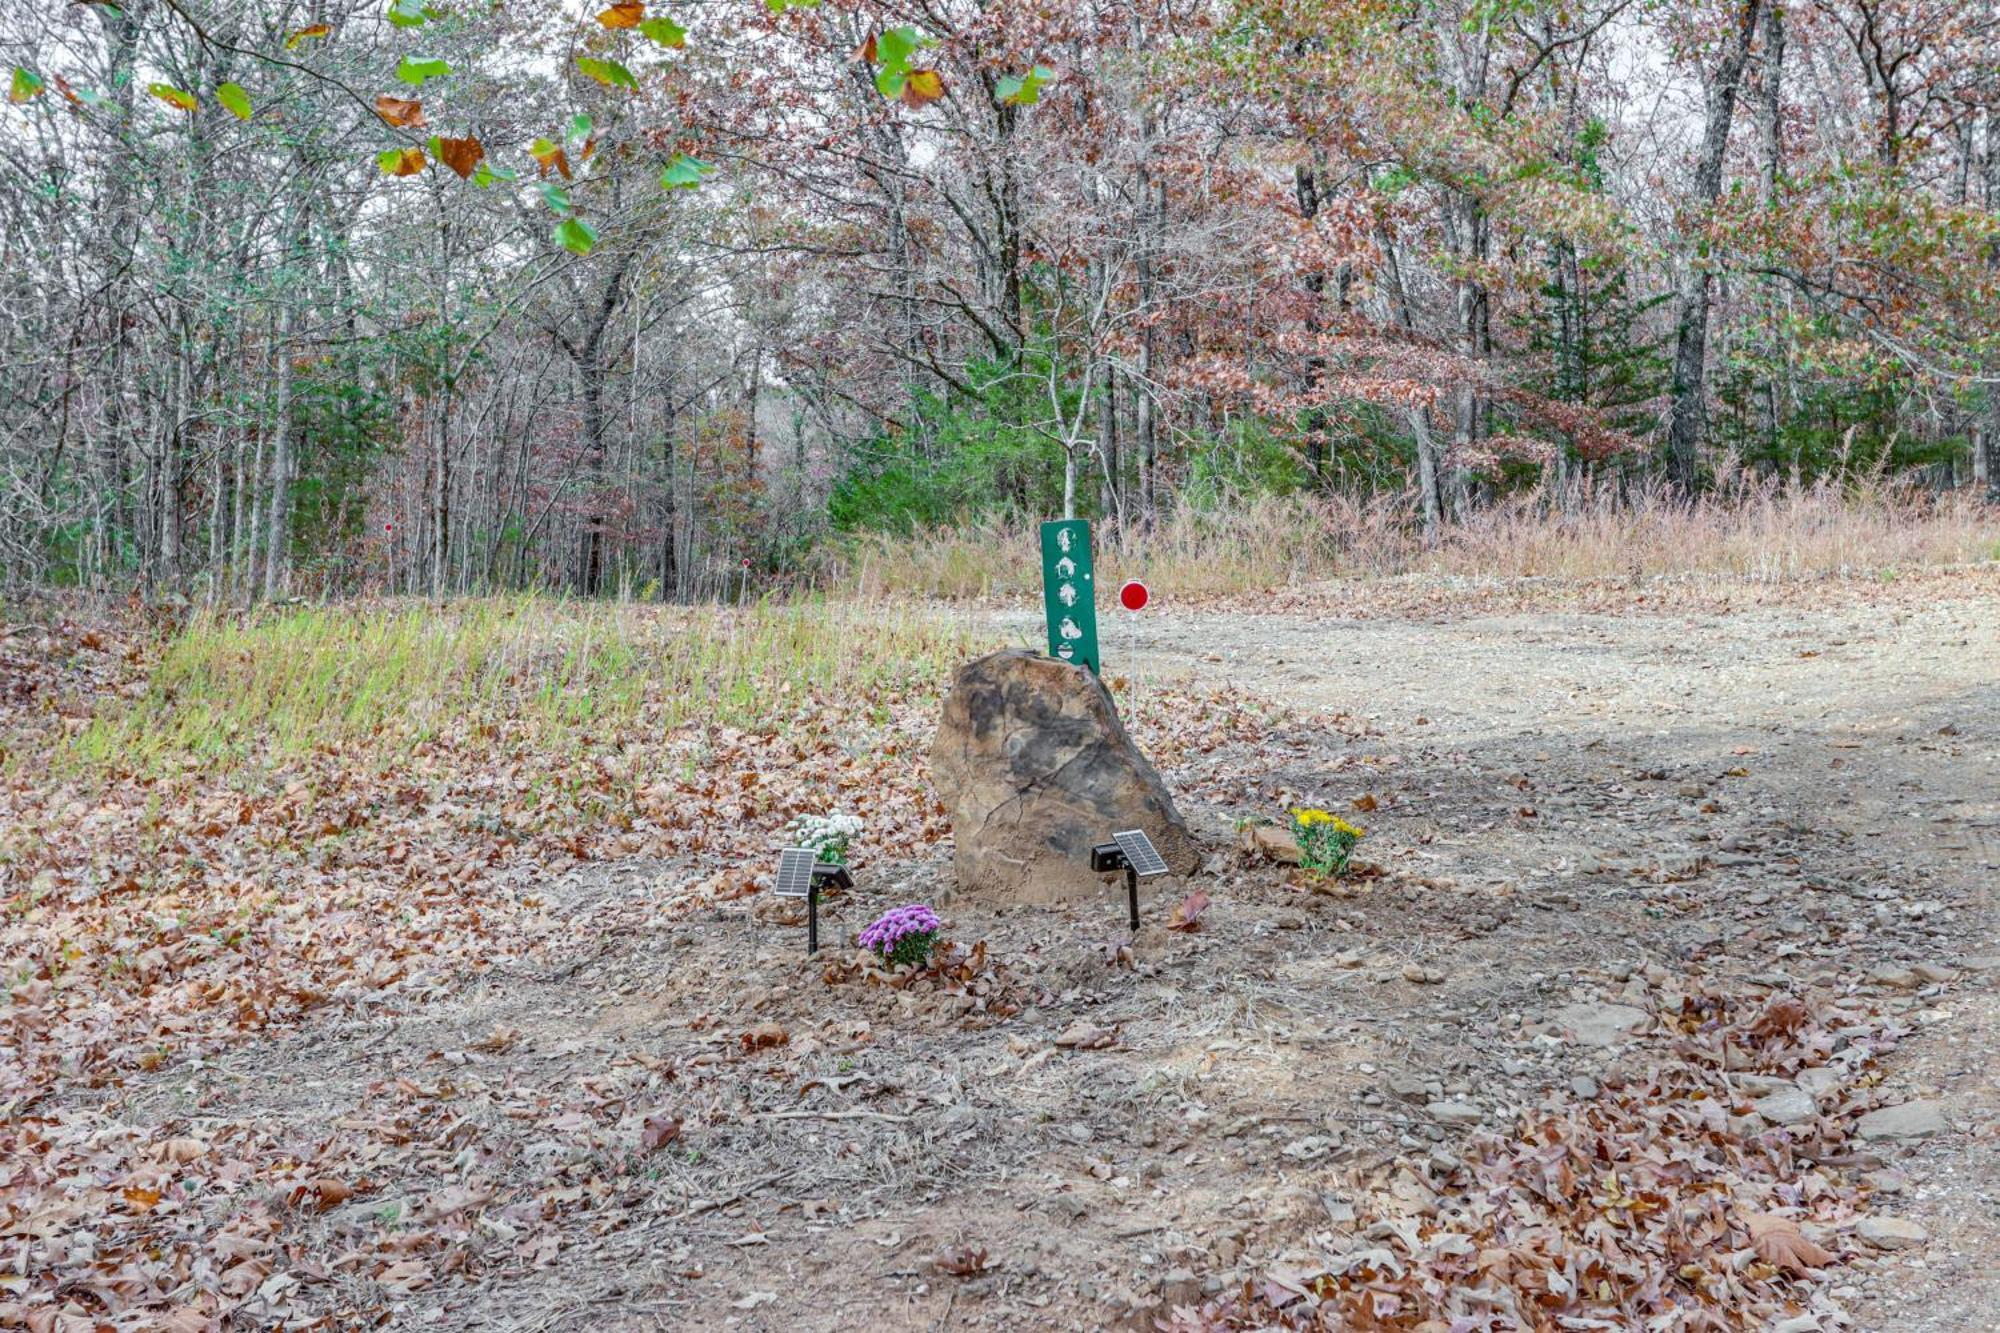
(1132, 852)
(801, 875)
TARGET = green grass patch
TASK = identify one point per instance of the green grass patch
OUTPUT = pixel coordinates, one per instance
(391, 678)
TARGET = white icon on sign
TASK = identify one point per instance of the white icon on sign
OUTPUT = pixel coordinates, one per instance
(1062, 540)
(1065, 568)
(1069, 629)
(1067, 594)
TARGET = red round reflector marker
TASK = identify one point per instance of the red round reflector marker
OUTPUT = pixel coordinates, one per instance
(1133, 596)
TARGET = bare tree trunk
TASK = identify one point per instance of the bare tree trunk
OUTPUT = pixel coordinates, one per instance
(1427, 471)
(278, 528)
(1689, 409)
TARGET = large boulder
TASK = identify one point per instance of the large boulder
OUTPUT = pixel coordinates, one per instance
(1034, 767)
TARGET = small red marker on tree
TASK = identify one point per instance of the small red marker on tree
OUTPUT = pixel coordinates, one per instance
(1133, 595)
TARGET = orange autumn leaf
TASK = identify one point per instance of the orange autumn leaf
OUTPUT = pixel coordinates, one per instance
(923, 87)
(461, 155)
(624, 14)
(402, 112)
(551, 157)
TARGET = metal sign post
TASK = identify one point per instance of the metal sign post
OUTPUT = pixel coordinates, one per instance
(1069, 592)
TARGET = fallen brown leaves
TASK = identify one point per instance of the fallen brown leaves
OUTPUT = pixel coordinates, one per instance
(1647, 1206)
(160, 923)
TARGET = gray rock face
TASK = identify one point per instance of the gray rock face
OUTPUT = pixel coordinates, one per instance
(1787, 1106)
(1455, 1113)
(1911, 1120)
(1034, 768)
(1600, 1024)
(1891, 1233)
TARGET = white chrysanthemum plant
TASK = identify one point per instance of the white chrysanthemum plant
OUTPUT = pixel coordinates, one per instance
(828, 835)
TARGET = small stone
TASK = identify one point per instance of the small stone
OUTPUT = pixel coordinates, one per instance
(1790, 1106)
(1455, 1113)
(1600, 1024)
(1885, 1182)
(1821, 1080)
(1895, 978)
(1421, 975)
(1290, 920)
(1407, 1088)
(1935, 973)
(1911, 1120)
(1891, 1233)
(1180, 1287)
(1584, 1086)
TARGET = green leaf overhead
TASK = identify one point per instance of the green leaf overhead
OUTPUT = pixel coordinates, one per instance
(665, 31)
(488, 174)
(1023, 89)
(557, 198)
(26, 87)
(234, 100)
(173, 97)
(576, 236)
(408, 13)
(684, 172)
(607, 72)
(414, 70)
(780, 6)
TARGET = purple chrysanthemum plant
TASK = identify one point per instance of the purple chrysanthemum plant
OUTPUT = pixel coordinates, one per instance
(904, 935)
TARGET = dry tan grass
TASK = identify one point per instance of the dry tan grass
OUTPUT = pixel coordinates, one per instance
(1761, 531)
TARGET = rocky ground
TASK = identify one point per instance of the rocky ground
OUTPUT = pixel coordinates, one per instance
(1672, 978)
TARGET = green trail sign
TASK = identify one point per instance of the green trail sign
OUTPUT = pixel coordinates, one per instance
(1069, 592)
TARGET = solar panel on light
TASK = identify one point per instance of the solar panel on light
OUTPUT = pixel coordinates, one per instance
(795, 872)
(1140, 853)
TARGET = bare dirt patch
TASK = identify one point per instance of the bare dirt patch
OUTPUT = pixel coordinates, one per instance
(1648, 827)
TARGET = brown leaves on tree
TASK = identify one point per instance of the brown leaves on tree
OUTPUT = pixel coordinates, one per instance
(463, 156)
(550, 157)
(625, 14)
(405, 162)
(400, 112)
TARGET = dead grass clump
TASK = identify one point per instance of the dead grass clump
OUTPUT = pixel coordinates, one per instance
(1769, 530)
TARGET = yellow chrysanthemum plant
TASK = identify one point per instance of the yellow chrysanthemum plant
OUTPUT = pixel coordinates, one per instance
(1326, 841)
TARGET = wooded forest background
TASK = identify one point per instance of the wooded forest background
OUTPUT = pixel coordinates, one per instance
(363, 295)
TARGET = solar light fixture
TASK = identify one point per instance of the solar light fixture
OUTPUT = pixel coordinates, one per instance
(1132, 852)
(801, 874)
